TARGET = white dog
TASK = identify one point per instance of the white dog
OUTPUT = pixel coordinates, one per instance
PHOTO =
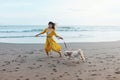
(75, 54)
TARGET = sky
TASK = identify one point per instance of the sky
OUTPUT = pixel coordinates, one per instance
(62, 12)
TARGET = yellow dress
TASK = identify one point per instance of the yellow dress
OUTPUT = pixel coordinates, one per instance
(50, 43)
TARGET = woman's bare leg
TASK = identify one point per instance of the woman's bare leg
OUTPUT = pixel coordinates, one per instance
(47, 54)
(60, 53)
(47, 50)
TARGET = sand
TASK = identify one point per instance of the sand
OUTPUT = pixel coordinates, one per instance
(29, 62)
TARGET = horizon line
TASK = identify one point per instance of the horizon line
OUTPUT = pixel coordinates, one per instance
(57, 25)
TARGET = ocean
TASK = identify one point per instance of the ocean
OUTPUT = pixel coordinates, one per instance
(26, 33)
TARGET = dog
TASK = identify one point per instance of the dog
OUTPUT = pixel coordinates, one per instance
(75, 54)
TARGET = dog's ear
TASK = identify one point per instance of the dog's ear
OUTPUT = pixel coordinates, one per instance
(69, 53)
(80, 49)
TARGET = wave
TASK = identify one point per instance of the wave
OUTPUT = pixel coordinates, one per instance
(23, 29)
(39, 30)
(17, 36)
(32, 30)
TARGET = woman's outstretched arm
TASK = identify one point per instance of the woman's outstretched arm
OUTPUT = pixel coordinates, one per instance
(40, 33)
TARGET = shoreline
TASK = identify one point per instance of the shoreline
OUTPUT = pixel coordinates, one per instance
(29, 62)
(62, 42)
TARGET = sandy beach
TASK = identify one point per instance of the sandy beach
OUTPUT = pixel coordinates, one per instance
(29, 62)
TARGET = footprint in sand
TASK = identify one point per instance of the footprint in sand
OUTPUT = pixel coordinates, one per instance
(91, 65)
(101, 61)
(7, 62)
(34, 63)
(54, 79)
(94, 70)
(53, 65)
(118, 59)
(66, 73)
(19, 55)
(104, 68)
(77, 75)
(51, 73)
(3, 65)
(111, 78)
(25, 56)
(40, 65)
(79, 79)
(21, 76)
(100, 69)
(36, 75)
(31, 52)
(43, 78)
(60, 76)
(95, 74)
(64, 63)
(10, 71)
(109, 75)
(31, 68)
(118, 72)
(55, 70)
(4, 70)
(13, 60)
(89, 62)
(58, 61)
(39, 60)
(48, 63)
(18, 64)
(27, 79)
(17, 68)
(117, 69)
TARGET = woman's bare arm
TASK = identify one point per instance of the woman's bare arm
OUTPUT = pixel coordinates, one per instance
(40, 33)
(37, 34)
(59, 37)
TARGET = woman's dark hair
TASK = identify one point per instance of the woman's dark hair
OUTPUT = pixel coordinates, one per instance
(53, 25)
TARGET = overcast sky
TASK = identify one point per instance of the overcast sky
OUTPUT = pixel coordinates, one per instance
(63, 12)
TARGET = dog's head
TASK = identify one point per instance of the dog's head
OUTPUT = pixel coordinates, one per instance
(80, 51)
(68, 53)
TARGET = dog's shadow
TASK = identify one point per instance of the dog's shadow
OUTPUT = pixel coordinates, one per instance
(71, 62)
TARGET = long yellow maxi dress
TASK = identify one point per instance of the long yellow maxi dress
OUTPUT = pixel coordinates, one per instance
(50, 43)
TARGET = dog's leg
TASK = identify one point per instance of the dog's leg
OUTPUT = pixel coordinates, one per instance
(79, 59)
(82, 55)
(69, 57)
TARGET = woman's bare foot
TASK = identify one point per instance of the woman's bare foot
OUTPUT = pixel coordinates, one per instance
(48, 56)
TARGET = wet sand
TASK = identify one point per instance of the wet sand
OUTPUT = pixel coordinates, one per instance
(29, 62)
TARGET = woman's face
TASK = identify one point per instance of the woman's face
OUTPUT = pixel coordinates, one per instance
(50, 26)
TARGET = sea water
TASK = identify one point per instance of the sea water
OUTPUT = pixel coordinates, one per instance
(26, 33)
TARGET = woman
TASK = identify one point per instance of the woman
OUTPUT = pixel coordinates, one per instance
(50, 43)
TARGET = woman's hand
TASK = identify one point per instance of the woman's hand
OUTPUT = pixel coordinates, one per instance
(37, 35)
(60, 37)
